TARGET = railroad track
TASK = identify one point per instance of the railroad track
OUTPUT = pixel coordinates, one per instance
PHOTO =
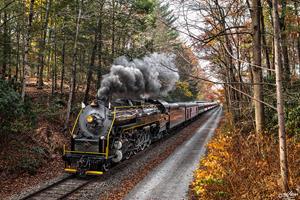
(60, 189)
(70, 185)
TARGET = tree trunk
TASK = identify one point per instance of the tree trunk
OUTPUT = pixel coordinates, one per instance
(5, 44)
(280, 108)
(226, 98)
(23, 55)
(284, 43)
(18, 54)
(91, 66)
(27, 46)
(264, 41)
(239, 74)
(99, 68)
(113, 31)
(52, 72)
(285, 54)
(63, 66)
(53, 57)
(230, 67)
(49, 59)
(55, 63)
(298, 51)
(298, 36)
(53, 85)
(74, 62)
(42, 49)
(257, 72)
(9, 51)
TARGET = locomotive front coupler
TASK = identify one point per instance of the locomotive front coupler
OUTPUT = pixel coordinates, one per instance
(83, 165)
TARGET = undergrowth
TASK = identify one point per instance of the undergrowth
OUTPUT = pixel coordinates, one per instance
(30, 132)
(243, 165)
(15, 116)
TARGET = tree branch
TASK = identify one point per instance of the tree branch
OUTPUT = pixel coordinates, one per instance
(1, 9)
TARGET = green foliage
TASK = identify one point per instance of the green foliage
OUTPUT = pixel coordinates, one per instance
(169, 18)
(14, 115)
(32, 159)
(221, 194)
(7, 96)
(146, 6)
(292, 107)
(39, 151)
(293, 121)
(212, 180)
(181, 93)
(29, 165)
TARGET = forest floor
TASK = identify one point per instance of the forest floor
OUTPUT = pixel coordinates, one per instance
(241, 165)
(30, 158)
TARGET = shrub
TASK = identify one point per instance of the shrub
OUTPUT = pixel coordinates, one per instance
(293, 121)
(14, 114)
(29, 165)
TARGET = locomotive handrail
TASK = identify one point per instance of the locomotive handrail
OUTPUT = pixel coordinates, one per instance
(138, 106)
(109, 131)
(127, 106)
(76, 121)
(84, 152)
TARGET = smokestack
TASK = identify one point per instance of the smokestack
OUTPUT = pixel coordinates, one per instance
(140, 77)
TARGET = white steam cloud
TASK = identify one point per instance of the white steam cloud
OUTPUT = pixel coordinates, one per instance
(154, 75)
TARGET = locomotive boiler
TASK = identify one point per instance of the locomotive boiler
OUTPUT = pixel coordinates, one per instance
(104, 134)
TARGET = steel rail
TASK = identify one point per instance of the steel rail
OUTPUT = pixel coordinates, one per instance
(55, 186)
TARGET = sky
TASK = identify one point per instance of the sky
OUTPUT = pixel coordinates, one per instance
(186, 13)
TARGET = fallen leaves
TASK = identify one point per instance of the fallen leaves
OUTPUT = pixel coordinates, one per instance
(243, 166)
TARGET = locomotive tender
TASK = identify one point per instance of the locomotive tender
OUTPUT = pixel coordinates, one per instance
(107, 134)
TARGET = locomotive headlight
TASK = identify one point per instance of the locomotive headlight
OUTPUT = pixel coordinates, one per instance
(89, 118)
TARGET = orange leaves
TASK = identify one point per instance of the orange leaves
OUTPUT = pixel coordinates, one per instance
(208, 180)
(241, 165)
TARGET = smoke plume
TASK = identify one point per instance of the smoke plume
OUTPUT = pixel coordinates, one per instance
(151, 76)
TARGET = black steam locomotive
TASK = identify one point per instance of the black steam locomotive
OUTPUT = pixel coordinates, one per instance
(107, 134)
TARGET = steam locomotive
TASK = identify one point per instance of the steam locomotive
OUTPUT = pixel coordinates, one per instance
(106, 134)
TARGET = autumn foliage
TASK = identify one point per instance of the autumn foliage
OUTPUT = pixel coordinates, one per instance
(243, 165)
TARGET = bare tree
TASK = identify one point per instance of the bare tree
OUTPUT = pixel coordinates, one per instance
(257, 72)
(280, 108)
